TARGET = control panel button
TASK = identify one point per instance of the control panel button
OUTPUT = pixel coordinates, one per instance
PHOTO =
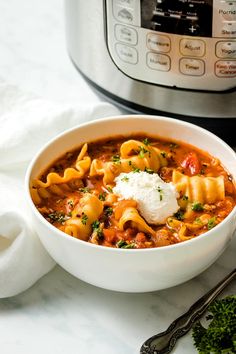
(193, 29)
(225, 68)
(229, 29)
(159, 62)
(123, 15)
(126, 34)
(158, 42)
(127, 11)
(192, 67)
(226, 49)
(192, 47)
(224, 19)
(227, 10)
(126, 53)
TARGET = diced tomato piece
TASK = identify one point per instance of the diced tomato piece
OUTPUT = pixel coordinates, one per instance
(109, 235)
(140, 237)
(191, 164)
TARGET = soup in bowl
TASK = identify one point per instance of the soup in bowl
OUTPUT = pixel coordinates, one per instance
(134, 203)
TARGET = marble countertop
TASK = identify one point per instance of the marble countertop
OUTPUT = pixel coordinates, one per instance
(61, 314)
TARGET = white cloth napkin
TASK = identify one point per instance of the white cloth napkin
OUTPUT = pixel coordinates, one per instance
(26, 124)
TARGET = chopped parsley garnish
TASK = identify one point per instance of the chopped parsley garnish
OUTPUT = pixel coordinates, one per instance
(121, 243)
(70, 202)
(197, 207)
(179, 215)
(198, 221)
(129, 245)
(149, 170)
(146, 141)
(124, 244)
(125, 179)
(134, 167)
(84, 190)
(174, 145)
(185, 197)
(57, 216)
(84, 219)
(160, 192)
(116, 159)
(102, 196)
(220, 335)
(108, 211)
(110, 189)
(163, 154)
(95, 225)
(211, 223)
(97, 228)
(143, 151)
(202, 172)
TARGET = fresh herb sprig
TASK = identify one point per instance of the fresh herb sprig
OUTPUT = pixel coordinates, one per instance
(220, 336)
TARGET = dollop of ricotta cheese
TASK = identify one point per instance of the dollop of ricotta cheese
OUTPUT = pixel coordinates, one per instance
(156, 199)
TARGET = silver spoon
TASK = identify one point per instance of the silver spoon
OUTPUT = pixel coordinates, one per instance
(164, 342)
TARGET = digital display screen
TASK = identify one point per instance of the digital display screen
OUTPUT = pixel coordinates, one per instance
(184, 17)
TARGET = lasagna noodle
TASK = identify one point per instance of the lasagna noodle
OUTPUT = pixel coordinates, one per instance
(38, 194)
(182, 229)
(82, 165)
(131, 215)
(133, 154)
(42, 190)
(205, 190)
(85, 213)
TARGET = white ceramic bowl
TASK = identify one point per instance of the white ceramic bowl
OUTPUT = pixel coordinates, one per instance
(139, 270)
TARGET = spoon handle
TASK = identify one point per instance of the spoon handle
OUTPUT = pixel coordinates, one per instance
(164, 342)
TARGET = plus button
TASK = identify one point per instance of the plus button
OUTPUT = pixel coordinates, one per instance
(192, 29)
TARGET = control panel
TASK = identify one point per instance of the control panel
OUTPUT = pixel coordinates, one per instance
(178, 43)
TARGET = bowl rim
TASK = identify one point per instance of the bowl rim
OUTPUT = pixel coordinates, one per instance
(167, 248)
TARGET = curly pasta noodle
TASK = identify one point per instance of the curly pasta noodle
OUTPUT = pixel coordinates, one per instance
(43, 190)
(133, 155)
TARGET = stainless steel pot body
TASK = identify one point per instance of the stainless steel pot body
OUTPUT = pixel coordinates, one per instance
(86, 35)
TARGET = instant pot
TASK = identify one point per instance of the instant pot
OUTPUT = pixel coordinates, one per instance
(170, 57)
